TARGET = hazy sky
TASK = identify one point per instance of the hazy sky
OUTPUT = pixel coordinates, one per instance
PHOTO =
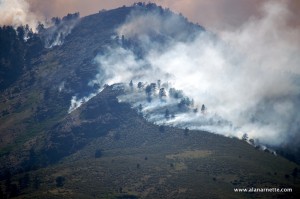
(214, 15)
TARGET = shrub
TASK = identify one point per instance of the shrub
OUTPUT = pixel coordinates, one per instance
(60, 180)
(98, 153)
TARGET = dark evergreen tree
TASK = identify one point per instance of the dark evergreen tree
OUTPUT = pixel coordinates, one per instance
(36, 182)
(140, 85)
(131, 85)
(158, 84)
(295, 172)
(24, 181)
(18, 47)
(98, 153)
(186, 131)
(14, 191)
(167, 113)
(140, 107)
(161, 129)
(203, 109)
(60, 181)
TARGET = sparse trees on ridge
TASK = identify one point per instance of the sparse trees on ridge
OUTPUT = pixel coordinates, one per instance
(245, 137)
(154, 91)
(185, 102)
(177, 94)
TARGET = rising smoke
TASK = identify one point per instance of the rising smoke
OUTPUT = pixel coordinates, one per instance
(55, 34)
(18, 13)
(248, 78)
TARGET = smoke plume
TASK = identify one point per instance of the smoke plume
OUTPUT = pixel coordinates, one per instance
(60, 29)
(17, 13)
(248, 79)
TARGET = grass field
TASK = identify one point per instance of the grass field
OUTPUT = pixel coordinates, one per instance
(145, 163)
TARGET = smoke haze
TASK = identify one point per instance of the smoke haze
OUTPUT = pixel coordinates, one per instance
(248, 80)
(214, 15)
(16, 13)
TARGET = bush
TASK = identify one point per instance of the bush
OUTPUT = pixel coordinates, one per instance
(287, 176)
(98, 153)
(60, 180)
(161, 129)
(186, 131)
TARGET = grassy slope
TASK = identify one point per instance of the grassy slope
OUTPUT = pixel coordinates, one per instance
(196, 165)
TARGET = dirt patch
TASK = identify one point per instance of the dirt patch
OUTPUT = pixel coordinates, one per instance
(195, 154)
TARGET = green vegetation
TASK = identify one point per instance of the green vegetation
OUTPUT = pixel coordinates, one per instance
(15, 51)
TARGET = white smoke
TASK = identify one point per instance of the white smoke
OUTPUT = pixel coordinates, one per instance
(76, 102)
(17, 13)
(143, 25)
(55, 35)
(248, 79)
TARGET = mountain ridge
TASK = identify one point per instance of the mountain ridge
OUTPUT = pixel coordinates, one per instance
(41, 139)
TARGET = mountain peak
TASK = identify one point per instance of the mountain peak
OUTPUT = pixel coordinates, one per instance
(111, 107)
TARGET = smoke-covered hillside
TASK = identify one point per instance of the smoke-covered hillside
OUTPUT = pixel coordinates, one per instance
(62, 73)
(92, 96)
(233, 75)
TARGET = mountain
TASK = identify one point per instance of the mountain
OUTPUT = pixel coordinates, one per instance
(106, 148)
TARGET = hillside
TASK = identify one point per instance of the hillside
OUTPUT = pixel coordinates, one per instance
(106, 148)
(35, 104)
